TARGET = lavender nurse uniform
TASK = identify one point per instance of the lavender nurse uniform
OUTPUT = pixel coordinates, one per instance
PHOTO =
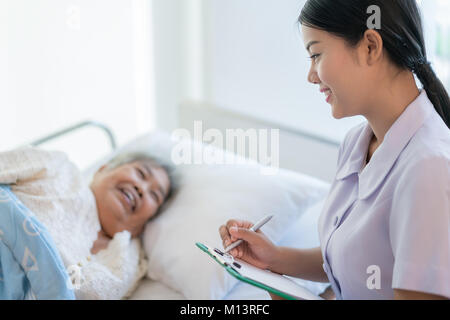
(386, 226)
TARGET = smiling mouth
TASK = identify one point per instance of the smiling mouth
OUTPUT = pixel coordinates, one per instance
(129, 198)
(328, 93)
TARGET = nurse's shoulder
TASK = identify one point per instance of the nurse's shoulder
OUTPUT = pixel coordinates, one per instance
(429, 148)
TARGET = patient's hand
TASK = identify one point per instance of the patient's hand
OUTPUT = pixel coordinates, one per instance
(101, 242)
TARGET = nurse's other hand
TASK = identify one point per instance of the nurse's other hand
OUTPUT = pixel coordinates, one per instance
(256, 248)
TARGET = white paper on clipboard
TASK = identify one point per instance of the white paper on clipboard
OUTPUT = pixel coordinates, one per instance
(274, 280)
(265, 277)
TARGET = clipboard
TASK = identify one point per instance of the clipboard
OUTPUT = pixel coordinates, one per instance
(264, 279)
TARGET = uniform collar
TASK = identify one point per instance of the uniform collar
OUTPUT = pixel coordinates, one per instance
(387, 153)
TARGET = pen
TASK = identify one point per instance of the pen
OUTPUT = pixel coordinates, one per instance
(255, 227)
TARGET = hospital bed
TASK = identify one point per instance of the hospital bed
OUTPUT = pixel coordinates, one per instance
(302, 231)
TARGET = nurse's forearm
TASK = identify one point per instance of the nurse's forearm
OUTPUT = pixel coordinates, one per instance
(300, 263)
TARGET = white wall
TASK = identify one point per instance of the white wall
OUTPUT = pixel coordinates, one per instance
(254, 67)
(205, 73)
(257, 65)
(69, 60)
(134, 64)
(8, 115)
(168, 32)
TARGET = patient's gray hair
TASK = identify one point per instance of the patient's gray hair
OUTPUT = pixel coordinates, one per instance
(129, 157)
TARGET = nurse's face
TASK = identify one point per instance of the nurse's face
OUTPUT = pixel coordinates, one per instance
(335, 68)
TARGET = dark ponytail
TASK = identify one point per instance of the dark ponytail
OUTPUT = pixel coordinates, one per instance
(435, 90)
(401, 31)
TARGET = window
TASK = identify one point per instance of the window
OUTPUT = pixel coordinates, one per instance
(437, 36)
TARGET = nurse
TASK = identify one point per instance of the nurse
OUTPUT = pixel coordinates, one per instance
(385, 227)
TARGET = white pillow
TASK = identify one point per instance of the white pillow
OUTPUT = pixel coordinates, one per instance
(208, 196)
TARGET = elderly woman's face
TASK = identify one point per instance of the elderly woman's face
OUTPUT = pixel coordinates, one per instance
(127, 196)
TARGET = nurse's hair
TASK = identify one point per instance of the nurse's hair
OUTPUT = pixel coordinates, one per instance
(401, 31)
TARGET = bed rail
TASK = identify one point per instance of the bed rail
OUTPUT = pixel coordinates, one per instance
(70, 129)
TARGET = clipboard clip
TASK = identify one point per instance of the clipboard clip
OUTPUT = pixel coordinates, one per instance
(224, 258)
(232, 263)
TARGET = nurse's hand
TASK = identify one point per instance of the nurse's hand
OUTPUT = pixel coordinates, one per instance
(256, 248)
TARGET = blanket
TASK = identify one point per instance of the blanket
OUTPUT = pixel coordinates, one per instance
(30, 266)
(54, 191)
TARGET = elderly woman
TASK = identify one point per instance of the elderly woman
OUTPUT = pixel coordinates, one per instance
(94, 224)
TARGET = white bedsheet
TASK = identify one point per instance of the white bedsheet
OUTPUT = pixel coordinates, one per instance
(303, 234)
(155, 290)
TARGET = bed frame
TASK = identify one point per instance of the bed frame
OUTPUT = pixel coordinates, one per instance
(73, 128)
